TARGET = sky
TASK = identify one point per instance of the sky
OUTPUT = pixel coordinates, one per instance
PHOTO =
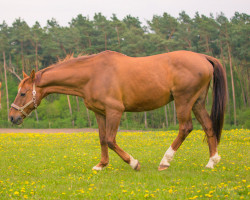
(64, 10)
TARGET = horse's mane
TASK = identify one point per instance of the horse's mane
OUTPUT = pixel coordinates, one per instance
(70, 58)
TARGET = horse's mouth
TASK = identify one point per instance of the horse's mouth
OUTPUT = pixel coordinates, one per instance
(17, 121)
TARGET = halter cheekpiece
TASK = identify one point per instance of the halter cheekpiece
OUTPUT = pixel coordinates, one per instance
(21, 109)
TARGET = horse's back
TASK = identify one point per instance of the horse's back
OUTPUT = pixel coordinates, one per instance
(147, 83)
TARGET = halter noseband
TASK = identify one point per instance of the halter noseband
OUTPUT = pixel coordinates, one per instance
(21, 109)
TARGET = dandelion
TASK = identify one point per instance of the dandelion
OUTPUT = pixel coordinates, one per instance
(152, 195)
(208, 195)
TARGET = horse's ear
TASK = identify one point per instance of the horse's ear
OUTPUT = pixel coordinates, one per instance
(24, 75)
(33, 75)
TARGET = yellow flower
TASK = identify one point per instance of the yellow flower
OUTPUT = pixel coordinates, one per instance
(16, 193)
(146, 195)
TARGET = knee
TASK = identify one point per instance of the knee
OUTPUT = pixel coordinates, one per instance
(189, 127)
(103, 141)
(111, 144)
(209, 131)
(186, 129)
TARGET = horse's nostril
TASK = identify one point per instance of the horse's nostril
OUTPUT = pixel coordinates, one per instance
(11, 118)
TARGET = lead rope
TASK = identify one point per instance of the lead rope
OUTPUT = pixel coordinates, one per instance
(21, 109)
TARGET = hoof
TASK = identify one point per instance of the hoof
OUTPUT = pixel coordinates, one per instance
(213, 161)
(163, 167)
(209, 166)
(137, 167)
(99, 168)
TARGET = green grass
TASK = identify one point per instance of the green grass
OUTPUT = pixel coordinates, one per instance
(58, 166)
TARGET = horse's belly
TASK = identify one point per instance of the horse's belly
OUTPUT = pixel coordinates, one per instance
(147, 101)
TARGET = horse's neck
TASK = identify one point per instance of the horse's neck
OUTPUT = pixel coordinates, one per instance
(64, 80)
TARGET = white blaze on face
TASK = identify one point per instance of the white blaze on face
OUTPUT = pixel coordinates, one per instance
(19, 89)
(168, 156)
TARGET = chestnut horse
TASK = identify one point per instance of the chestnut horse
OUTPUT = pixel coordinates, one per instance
(112, 83)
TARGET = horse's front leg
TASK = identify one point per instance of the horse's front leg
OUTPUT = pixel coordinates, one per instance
(101, 121)
(113, 118)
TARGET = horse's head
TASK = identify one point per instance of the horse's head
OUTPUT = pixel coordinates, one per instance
(28, 98)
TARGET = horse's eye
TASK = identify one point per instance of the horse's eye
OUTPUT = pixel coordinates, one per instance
(22, 94)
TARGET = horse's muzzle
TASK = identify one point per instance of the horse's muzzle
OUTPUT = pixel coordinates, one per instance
(16, 120)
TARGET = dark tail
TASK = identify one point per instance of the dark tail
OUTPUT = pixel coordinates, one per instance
(219, 96)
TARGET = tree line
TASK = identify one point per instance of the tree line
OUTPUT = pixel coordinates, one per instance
(25, 47)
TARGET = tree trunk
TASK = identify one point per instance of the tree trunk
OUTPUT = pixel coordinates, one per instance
(118, 37)
(224, 65)
(105, 41)
(70, 111)
(241, 78)
(36, 48)
(87, 111)
(77, 104)
(89, 41)
(232, 80)
(37, 119)
(89, 121)
(126, 119)
(166, 115)
(174, 113)
(207, 44)
(6, 83)
(22, 56)
(145, 120)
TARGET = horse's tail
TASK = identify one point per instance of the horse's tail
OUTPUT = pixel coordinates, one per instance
(219, 96)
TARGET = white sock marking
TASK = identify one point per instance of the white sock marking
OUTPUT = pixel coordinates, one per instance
(168, 156)
(213, 161)
(133, 162)
(97, 168)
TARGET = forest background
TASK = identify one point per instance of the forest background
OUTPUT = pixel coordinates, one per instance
(25, 47)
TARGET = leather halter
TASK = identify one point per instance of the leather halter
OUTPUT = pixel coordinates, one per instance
(21, 109)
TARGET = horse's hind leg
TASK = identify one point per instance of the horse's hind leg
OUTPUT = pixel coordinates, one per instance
(113, 118)
(101, 121)
(204, 119)
(185, 127)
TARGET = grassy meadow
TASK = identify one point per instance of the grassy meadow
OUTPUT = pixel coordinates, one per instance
(59, 166)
